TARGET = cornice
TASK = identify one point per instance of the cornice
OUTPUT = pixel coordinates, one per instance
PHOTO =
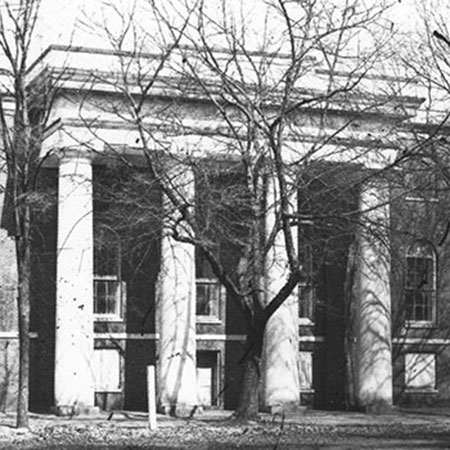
(216, 130)
(175, 85)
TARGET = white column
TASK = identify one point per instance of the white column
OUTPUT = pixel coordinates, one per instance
(74, 337)
(281, 341)
(373, 323)
(177, 380)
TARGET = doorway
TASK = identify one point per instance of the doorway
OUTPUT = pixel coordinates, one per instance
(207, 378)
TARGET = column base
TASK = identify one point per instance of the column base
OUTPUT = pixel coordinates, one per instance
(71, 410)
(286, 408)
(378, 408)
(180, 410)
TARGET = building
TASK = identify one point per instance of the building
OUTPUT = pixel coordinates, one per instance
(113, 292)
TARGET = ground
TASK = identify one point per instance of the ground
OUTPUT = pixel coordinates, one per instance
(403, 429)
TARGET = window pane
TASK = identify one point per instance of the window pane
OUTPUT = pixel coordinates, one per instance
(202, 267)
(409, 304)
(203, 306)
(420, 370)
(207, 377)
(411, 273)
(207, 287)
(100, 293)
(106, 370)
(207, 302)
(430, 273)
(421, 249)
(420, 282)
(112, 297)
(427, 306)
(306, 289)
(107, 297)
(306, 302)
(306, 370)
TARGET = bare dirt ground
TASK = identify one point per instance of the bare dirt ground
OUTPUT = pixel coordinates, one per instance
(314, 430)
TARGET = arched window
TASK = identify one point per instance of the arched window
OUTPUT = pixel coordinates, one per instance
(420, 283)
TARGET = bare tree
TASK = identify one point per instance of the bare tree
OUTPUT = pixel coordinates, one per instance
(22, 127)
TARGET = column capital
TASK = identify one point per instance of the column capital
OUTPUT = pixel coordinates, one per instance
(74, 153)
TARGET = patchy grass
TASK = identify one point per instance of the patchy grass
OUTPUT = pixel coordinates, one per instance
(128, 433)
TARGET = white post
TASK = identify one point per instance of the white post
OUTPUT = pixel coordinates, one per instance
(151, 395)
(74, 335)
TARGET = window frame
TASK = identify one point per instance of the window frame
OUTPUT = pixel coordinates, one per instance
(421, 168)
(99, 382)
(418, 364)
(201, 277)
(306, 286)
(210, 359)
(117, 316)
(429, 255)
(215, 317)
(306, 371)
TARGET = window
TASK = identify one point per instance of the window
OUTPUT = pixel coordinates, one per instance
(306, 284)
(420, 179)
(306, 371)
(109, 290)
(106, 370)
(420, 371)
(108, 298)
(420, 288)
(208, 290)
(207, 298)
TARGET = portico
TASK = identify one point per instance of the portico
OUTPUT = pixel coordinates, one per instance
(166, 328)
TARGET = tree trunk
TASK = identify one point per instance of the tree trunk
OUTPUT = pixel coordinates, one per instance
(23, 300)
(349, 342)
(248, 406)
